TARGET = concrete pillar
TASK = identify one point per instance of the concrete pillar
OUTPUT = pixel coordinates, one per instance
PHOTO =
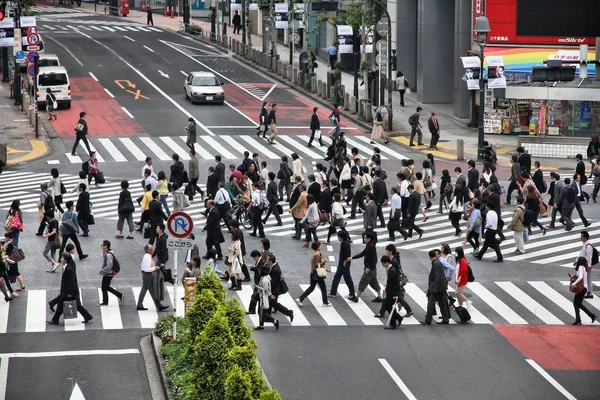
(462, 43)
(313, 84)
(319, 86)
(406, 34)
(435, 51)
(352, 105)
(295, 75)
(346, 100)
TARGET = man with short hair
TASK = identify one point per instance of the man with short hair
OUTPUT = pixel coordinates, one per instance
(434, 129)
(81, 130)
(256, 209)
(587, 252)
(392, 293)
(576, 184)
(83, 209)
(149, 179)
(380, 196)
(273, 200)
(70, 230)
(415, 128)
(220, 169)
(276, 287)
(161, 251)
(315, 125)
(272, 123)
(472, 176)
(436, 291)
(284, 175)
(212, 183)
(524, 159)
(491, 229)
(191, 133)
(558, 198)
(156, 215)
(369, 276)
(152, 281)
(194, 175)
(213, 229)
(108, 260)
(414, 207)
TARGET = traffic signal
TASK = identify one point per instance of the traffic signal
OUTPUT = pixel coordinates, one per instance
(553, 74)
(325, 6)
(393, 63)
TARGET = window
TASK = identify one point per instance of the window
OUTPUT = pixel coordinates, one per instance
(205, 81)
(53, 79)
(48, 63)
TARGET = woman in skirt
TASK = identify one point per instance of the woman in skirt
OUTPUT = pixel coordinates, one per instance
(378, 132)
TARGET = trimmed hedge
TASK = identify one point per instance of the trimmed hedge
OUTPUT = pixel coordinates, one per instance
(214, 356)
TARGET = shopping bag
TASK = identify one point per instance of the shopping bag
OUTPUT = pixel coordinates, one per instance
(147, 232)
(70, 309)
(318, 134)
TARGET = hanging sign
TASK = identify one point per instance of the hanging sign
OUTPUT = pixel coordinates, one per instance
(471, 65)
(496, 76)
(281, 17)
(369, 38)
(345, 39)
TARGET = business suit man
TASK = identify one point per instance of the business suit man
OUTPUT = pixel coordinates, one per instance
(370, 215)
(436, 292)
(276, 289)
(212, 183)
(273, 199)
(213, 229)
(315, 125)
(559, 196)
(524, 159)
(69, 290)
(380, 196)
(461, 183)
(83, 209)
(296, 192)
(472, 176)
(434, 129)
(220, 169)
(392, 292)
(314, 188)
(414, 206)
(156, 215)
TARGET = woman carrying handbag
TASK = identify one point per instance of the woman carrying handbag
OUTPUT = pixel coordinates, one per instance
(318, 273)
(235, 260)
(579, 287)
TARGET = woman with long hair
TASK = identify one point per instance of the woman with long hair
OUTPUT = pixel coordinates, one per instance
(162, 185)
(473, 235)
(444, 180)
(235, 260)
(16, 221)
(316, 261)
(456, 207)
(56, 184)
(580, 276)
(462, 277)
(532, 203)
(377, 132)
(311, 220)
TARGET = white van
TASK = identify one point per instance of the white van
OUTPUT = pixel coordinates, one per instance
(57, 79)
(48, 60)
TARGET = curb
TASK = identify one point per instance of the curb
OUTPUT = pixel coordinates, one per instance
(160, 362)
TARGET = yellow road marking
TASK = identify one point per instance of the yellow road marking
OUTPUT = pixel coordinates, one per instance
(38, 149)
(129, 84)
(137, 94)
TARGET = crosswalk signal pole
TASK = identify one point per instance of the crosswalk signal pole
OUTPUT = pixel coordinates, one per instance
(36, 60)
(18, 100)
(175, 298)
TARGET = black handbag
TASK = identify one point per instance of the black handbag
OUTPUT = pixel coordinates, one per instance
(279, 209)
(100, 176)
(147, 232)
(405, 222)
(185, 177)
(70, 309)
(168, 275)
(91, 220)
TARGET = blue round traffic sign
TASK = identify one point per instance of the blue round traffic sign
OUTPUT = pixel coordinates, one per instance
(31, 56)
(31, 70)
(20, 54)
(180, 225)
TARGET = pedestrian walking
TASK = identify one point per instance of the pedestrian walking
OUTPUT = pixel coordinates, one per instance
(156, 216)
(392, 253)
(273, 199)
(51, 105)
(298, 168)
(272, 123)
(191, 133)
(265, 293)
(194, 175)
(414, 208)
(557, 199)
(337, 217)
(415, 125)
(515, 172)
(180, 199)
(81, 130)
(583, 178)
(473, 235)
(436, 291)
(491, 229)
(237, 23)
(161, 253)
(125, 209)
(369, 276)
(214, 236)
(162, 185)
(255, 209)
(524, 159)
(581, 280)
(69, 291)
(318, 273)
(12, 254)
(262, 121)
(53, 241)
(590, 253)
(5, 263)
(518, 226)
(152, 281)
(392, 293)
(55, 184)
(278, 286)
(462, 277)
(377, 132)
(456, 208)
(234, 260)
(219, 169)
(110, 267)
(149, 180)
(334, 117)
(149, 18)
(93, 170)
(310, 221)
(568, 204)
(83, 208)
(332, 52)
(70, 230)
(532, 205)
(434, 128)
(343, 268)
(580, 195)
(596, 181)
(402, 86)
(538, 178)
(177, 171)
(593, 151)
(14, 221)
(315, 128)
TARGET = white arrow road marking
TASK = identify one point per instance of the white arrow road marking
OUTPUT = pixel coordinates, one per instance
(77, 394)
(163, 74)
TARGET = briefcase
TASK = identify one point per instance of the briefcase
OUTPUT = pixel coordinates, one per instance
(279, 209)
(70, 309)
(406, 222)
(100, 176)
(91, 220)
(147, 232)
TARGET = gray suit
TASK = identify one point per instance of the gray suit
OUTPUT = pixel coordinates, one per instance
(559, 195)
(370, 217)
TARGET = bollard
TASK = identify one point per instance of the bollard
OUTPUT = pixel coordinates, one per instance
(30, 114)
(295, 75)
(353, 105)
(313, 84)
(346, 101)
(319, 85)
(302, 79)
(368, 113)
(290, 73)
(460, 149)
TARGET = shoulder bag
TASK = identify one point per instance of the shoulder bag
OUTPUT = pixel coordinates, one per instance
(321, 271)
(578, 288)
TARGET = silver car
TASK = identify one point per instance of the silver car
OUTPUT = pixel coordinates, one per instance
(204, 87)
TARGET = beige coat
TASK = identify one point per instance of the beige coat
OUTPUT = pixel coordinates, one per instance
(516, 223)
(299, 209)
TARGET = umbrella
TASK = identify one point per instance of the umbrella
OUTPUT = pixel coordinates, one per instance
(383, 110)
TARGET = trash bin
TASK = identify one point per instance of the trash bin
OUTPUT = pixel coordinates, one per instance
(460, 149)
(124, 10)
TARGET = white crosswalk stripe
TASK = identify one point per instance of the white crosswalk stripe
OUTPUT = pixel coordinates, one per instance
(553, 298)
(65, 22)
(229, 147)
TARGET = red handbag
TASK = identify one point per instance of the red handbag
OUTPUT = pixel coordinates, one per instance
(16, 224)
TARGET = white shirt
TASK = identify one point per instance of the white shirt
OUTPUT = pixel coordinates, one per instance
(256, 198)
(396, 203)
(404, 188)
(147, 263)
(338, 210)
(150, 181)
(222, 196)
(587, 252)
(491, 220)
(145, 167)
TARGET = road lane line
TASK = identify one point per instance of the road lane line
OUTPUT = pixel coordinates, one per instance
(556, 298)
(129, 28)
(35, 319)
(127, 112)
(220, 149)
(183, 153)
(70, 353)
(289, 303)
(366, 151)
(142, 29)
(147, 317)
(109, 93)
(533, 306)
(200, 151)
(496, 304)
(331, 317)
(419, 297)
(108, 28)
(96, 28)
(94, 77)
(550, 379)
(145, 78)
(594, 301)
(388, 368)
(148, 48)
(183, 72)
(300, 147)
(155, 148)
(383, 149)
(241, 113)
(111, 314)
(244, 296)
(133, 149)
(269, 92)
(3, 377)
(262, 150)
(4, 308)
(154, 29)
(112, 149)
(67, 50)
(178, 301)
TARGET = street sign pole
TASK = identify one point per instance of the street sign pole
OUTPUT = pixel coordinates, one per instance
(18, 100)
(36, 59)
(175, 298)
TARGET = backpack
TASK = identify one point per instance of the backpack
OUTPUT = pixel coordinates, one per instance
(448, 190)
(571, 194)
(527, 217)
(478, 222)
(412, 120)
(595, 255)
(116, 267)
(471, 277)
(49, 202)
(427, 181)
(85, 167)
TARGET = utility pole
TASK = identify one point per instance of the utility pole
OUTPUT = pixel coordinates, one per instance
(18, 99)
(290, 30)
(244, 23)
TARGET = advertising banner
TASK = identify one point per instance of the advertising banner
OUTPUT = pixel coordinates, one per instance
(369, 38)
(471, 65)
(345, 39)
(281, 17)
(496, 76)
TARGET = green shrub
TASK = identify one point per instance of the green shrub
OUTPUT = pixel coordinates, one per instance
(238, 385)
(164, 327)
(204, 308)
(179, 369)
(245, 358)
(270, 395)
(211, 358)
(209, 281)
(235, 317)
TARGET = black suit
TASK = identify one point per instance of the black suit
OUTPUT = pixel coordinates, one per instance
(161, 252)
(220, 172)
(525, 161)
(83, 209)
(156, 216)
(315, 125)
(295, 196)
(538, 179)
(275, 274)
(315, 189)
(213, 231)
(69, 290)
(414, 206)
(273, 199)
(380, 195)
(177, 171)
(473, 179)
(392, 289)
(436, 293)
(212, 185)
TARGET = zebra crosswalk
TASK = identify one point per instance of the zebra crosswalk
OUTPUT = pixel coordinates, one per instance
(102, 26)
(557, 247)
(518, 303)
(137, 148)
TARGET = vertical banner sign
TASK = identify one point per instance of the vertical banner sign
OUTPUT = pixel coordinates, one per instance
(17, 38)
(281, 17)
(471, 65)
(345, 39)
(298, 14)
(478, 9)
(496, 76)
(7, 26)
(369, 38)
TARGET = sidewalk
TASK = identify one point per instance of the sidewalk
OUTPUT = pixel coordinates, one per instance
(17, 133)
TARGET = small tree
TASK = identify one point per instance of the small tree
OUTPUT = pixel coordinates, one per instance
(270, 395)
(238, 385)
(209, 281)
(211, 358)
(203, 309)
(235, 317)
(245, 358)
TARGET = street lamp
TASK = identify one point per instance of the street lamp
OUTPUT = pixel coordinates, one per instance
(482, 27)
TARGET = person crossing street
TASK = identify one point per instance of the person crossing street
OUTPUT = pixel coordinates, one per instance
(81, 131)
(110, 267)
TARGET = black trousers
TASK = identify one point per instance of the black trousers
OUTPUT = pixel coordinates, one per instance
(75, 240)
(511, 187)
(312, 137)
(59, 309)
(380, 215)
(224, 213)
(285, 184)
(342, 271)
(388, 305)
(257, 221)
(314, 281)
(297, 228)
(43, 224)
(213, 241)
(473, 239)
(578, 305)
(393, 226)
(402, 91)
(412, 226)
(580, 212)
(150, 20)
(500, 227)
(106, 280)
(273, 209)
(490, 241)
(194, 188)
(455, 219)
(83, 221)
(357, 199)
(265, 314)
(434, 139)
(152, 234)
(82, 138)
(401, 300)
(404, 206)
(442, 300)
